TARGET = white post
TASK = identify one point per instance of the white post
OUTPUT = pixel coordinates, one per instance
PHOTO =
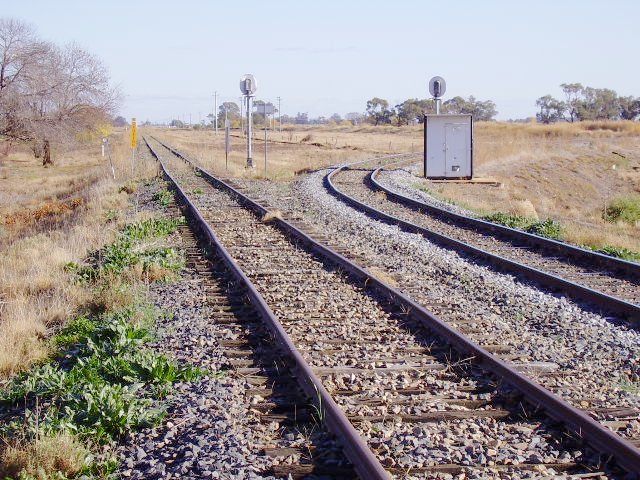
(215, 110)
(249, 133)
(241, 116)
(279, 116)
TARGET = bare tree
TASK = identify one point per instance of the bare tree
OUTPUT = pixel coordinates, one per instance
(49, 94)
(20, 53)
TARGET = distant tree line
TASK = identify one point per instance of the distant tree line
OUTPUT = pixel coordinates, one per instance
(49, 94)
(587, 103)
(378, 111)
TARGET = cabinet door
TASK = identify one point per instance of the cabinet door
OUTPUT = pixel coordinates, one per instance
(457, 150)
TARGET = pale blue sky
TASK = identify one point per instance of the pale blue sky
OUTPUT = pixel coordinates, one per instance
(323, 57)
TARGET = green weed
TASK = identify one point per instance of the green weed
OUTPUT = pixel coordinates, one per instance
(74, 332)
(98, 385)
(165, 257)
(83, 273)
(197, 191)
(152, 228)
(124, 252)
(101, 382)
(629, 386)
(547, 228)
(508, 220)
(623, 208)
(618, 252)
(112, 215)
(163, 197)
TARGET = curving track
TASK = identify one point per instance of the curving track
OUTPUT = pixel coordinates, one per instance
(609, 284)
(405, 393)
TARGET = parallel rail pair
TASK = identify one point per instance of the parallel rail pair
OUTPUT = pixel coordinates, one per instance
(365, 461)
(573, 257)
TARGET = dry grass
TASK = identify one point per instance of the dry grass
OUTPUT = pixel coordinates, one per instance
(43, 228)
(62, 453)
(272, 215)
(112, 295)
(568, 172)
(383, 276)
(284, 159)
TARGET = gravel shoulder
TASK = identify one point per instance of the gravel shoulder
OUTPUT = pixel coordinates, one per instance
(403, 180)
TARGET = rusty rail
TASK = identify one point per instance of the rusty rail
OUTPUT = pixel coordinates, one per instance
(601, 300)
(356, 449)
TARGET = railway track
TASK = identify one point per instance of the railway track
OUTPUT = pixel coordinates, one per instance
(406, 394)
(610, 285)
(272, 391)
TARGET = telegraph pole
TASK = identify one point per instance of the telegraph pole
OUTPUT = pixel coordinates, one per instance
(215, 110)
(279, 116)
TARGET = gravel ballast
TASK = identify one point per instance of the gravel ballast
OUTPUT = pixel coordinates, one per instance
(597, 361)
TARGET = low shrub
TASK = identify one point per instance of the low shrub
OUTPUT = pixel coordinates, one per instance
(508, 220)
(623, 208)
(547, 228)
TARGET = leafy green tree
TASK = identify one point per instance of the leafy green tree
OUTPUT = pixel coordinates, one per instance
(481, 111)
(629, 108)
(587, 103)
(551, 109)
(413, 110)
(302, 118)
(598, 104)
(378, 111)
(232, 113)
(573, 93)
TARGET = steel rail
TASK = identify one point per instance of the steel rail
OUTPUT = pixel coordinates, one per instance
(571, 251)
(601, 300)
(356, 449)
(598, 436)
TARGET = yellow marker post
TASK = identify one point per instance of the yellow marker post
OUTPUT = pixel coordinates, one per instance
(134, 141)
(134, 133)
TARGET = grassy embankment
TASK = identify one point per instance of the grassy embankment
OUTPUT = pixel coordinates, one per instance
(49, 217)
(75, 374)
(581, 181)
